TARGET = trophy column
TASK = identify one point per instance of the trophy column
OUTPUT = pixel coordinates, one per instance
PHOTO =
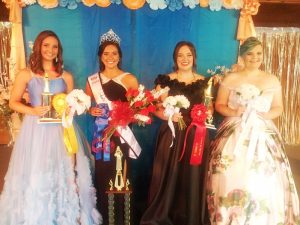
(46, 99)
(119, 188)
(209, 104)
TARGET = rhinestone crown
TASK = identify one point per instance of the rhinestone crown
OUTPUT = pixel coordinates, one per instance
(110, 36)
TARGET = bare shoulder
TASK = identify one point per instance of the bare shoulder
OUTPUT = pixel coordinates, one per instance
(67, 75)
(130, 81)
(231, 78)
(130, 77)
(199, 76)
(270, 79)
(24, 75)
(173, 76)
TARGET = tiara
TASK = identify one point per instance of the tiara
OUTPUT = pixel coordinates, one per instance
(110, 36)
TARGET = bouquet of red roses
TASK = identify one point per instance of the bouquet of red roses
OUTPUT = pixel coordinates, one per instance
(141, 103)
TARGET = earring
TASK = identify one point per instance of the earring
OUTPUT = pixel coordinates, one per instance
(56, 59)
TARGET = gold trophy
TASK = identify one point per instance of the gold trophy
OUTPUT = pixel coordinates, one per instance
(209, 104)
(50, 116)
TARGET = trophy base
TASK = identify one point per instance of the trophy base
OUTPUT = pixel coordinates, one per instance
(49, 120)
(210, 126)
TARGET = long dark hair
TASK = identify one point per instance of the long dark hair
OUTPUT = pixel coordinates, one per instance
(101, 50)
(36, 59)
(192, 49)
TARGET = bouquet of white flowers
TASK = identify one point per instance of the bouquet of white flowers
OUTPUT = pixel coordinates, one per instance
(246, 93)
(77, 102)
(172, 105)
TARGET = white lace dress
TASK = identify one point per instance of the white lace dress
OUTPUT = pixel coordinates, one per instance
(250, 180)
(41, 186)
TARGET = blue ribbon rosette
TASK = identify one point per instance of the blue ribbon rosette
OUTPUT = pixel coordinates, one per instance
(100, 145)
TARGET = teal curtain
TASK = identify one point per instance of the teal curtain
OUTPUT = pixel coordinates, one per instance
(148, 38)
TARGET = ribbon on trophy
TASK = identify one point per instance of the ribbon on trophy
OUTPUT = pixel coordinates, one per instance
(60, 105)
(99, 144)
(198, 115)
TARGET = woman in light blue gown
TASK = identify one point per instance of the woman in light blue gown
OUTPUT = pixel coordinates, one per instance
(44, 184)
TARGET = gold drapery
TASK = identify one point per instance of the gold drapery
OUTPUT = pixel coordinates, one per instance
(17, 59)
(5, 37)
(245, 26)
(282, 58)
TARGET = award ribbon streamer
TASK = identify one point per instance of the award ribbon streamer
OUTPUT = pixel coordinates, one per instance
(198, 115)
(98, 143)
(198, 144)
(60, 106)
(70, 140)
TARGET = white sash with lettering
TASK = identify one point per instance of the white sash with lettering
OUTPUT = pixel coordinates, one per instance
(125, 132)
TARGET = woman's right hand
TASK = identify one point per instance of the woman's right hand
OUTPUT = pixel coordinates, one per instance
(240, 110)
(95, 111)
(40, 110)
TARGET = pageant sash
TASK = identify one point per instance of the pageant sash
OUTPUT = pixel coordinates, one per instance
(97, 90)
(99, 145)
(128, 137)
(125, 132)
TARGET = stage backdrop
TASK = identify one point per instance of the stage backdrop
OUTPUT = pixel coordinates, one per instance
(148, 39)
(148, 36)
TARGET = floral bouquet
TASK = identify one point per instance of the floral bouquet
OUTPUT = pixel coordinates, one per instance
(142, 102)
(172, 105)
(247, 93)
(138, 109)
(218, 73)
(66, 106)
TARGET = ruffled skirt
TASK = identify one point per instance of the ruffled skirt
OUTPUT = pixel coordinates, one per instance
(45, 185)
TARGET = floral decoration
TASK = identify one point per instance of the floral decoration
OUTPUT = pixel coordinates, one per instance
(140, 106)
(173, 5)
(77, 102)
(246, 93)
(172, 105)
(218, 73)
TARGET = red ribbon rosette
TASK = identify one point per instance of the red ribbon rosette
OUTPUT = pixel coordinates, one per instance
(198, 115)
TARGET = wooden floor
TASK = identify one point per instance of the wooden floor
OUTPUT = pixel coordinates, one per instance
(293, 153)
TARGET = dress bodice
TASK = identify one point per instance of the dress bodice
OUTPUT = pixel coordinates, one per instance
(261, 103)
(114, 89)
(194, 91)
(36, 86)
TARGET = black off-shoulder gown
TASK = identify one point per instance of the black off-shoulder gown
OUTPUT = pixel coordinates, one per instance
(177, 192)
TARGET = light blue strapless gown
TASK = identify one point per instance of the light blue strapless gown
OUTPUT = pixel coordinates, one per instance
(41, 187)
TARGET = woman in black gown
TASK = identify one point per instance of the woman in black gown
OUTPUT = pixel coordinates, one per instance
(114, 83)
(177, 191)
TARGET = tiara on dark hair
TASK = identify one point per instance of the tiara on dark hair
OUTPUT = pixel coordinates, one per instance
(110, 36)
